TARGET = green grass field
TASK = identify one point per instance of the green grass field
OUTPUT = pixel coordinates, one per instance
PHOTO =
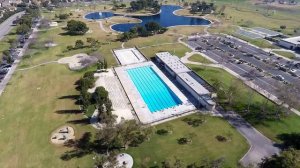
(285, 54)
(199, 58)
(204, 144)
(270, 128)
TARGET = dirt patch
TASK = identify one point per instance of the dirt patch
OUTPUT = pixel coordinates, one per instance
(78, 61)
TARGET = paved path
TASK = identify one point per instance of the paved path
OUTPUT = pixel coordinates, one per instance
(5, 81)
(102, 27)
(260, 146)
(45, 63)
(6, 26)
(94, 120)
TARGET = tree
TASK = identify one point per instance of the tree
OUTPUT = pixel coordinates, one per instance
(232, 92)
(283, 27)
(23, 29)
(76, 27)
(79, 44)
(287, 159)
(63, 16)
(100, 95)
(152, 27)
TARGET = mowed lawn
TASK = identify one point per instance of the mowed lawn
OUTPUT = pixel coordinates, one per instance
(270, 128)
(199, 58)
(204, 144)
(32, 107)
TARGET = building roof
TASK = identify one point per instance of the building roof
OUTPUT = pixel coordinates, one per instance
(293, 40)
(173, 62)
(195, 85)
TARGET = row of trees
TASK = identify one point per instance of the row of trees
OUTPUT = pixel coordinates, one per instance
(24, 25)
(230, 98)
(90, 43)
(25, 22)
(145, 4)
(150, 28)
(202, 7)
(63, 16)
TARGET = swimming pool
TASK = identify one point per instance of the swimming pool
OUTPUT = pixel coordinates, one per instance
(155, 93)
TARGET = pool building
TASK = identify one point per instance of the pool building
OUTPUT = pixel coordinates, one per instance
(194, 84)
(152, 93)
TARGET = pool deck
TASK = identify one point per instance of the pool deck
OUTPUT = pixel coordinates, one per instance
(120, 103)
(140, 107)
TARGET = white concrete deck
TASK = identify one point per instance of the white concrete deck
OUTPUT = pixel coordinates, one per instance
(120, 103)
(140, 107)
(129, 56)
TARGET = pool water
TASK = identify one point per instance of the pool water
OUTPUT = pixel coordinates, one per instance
(155, 93)
(165, 18)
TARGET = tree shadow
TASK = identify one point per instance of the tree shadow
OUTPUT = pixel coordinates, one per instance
(81, 147)
(72, 97)
(75, 111)
(291, 140)
(83, 121)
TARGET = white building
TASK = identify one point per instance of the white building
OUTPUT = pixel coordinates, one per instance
(187, 78)
(292, 43)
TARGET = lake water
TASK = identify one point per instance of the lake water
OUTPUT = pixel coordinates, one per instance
(166, 19)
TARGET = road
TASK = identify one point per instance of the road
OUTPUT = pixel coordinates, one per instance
(6, 26)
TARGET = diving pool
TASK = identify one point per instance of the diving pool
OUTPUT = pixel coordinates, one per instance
(154, 91)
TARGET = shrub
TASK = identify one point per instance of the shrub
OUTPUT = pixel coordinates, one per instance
(162, 132)
(79, 44)
(63, 16)
(221, 138)
(69, 47)
(183, 141)
(195, 122)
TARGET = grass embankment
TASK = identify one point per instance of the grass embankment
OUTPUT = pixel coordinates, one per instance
(270, 128)
(5, 42)
(250, 15)
(204, 144)
(285, 54)
(199, 58)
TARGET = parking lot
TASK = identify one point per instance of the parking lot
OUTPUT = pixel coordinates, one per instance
(266, 70)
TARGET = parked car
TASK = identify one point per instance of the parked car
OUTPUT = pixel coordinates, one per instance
(279, 77)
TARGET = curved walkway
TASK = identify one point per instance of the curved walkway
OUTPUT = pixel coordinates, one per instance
(260, 146)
